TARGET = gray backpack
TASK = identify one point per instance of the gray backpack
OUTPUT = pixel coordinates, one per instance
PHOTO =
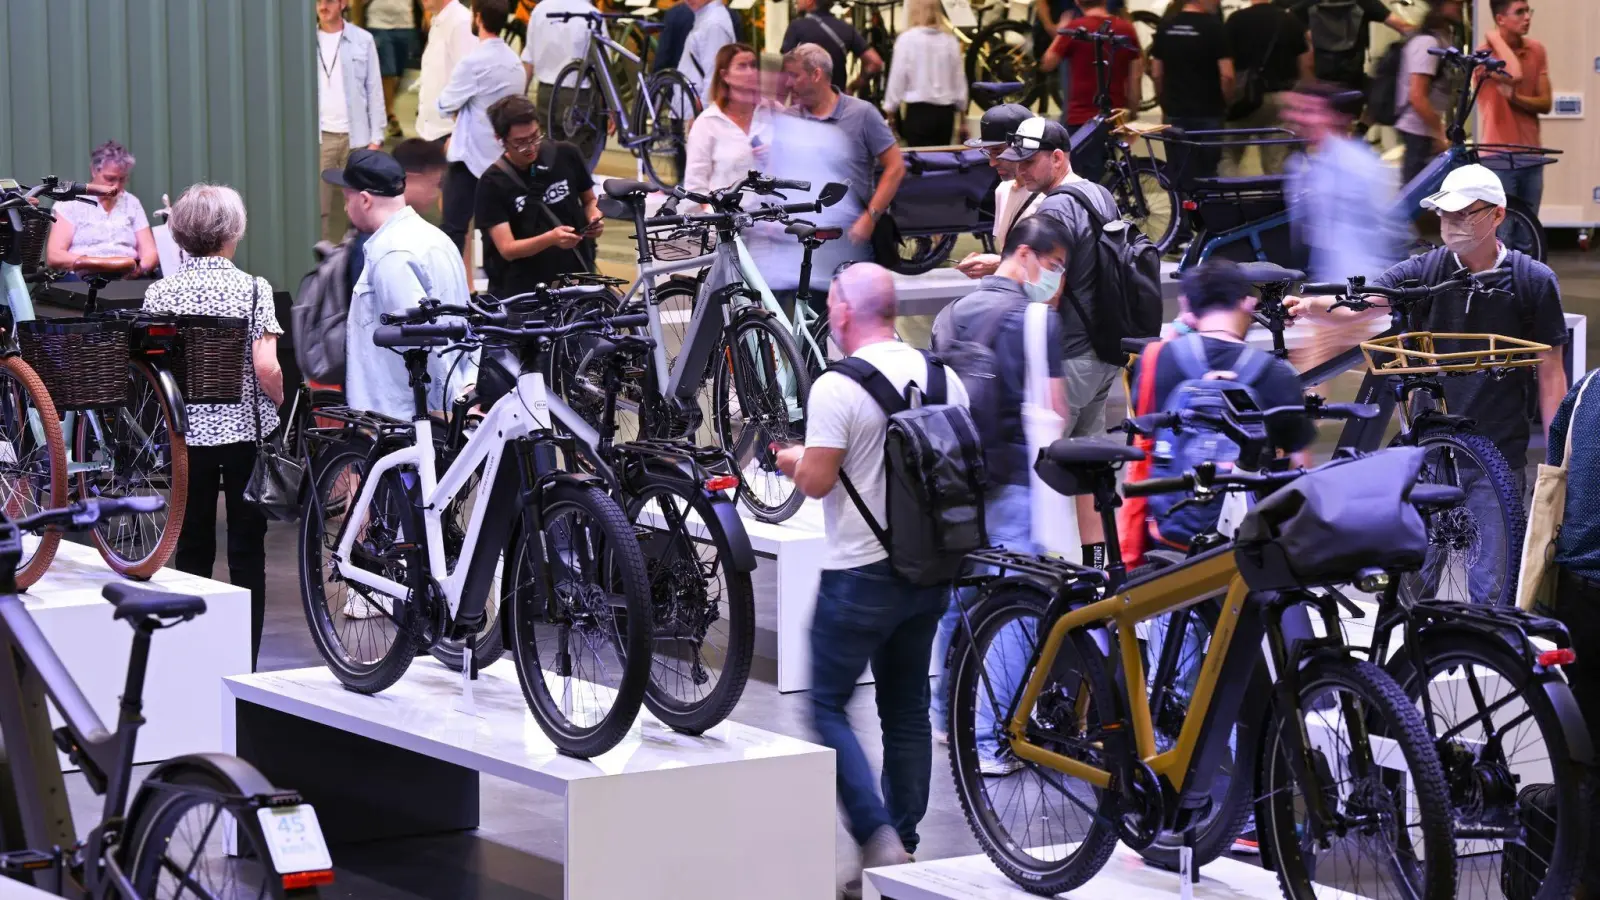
(320, 310)
(973, 358)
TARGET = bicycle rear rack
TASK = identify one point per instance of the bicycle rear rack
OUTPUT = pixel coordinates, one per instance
(1057, 571)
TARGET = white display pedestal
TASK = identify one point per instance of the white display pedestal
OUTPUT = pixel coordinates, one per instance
(16, 890)
(185, 662)
(1125, 877)
(735, 813)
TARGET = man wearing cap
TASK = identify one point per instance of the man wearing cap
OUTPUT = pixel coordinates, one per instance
(407, 260)
(1471, 207)
(1040, 150)
(1010, 203)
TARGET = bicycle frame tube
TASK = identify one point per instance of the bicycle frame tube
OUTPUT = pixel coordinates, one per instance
(752, 279)
(16, 292)
(648, 272)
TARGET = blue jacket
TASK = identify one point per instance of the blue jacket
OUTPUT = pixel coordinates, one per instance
(363, 86)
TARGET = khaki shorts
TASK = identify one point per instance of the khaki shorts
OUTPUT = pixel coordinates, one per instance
(1089, 380)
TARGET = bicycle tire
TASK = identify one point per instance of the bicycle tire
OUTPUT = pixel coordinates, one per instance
(1153, 186)
(1574, 801)
(1282, 836)
(144, 384)
(1147, 99)
(997, 617)
(1448, 528)
(792, 387)
(672, 96)
(578, 114)
(678, 570)
(1519, 212)
(22, 489)
(619, 552)
(928, 251)
(371, 672)
(1003, 51)
(159, 827)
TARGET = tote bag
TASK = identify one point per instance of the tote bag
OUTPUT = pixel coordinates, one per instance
(1055, 516)
(1536, 587)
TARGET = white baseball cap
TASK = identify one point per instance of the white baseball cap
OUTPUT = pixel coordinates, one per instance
(1466, 186)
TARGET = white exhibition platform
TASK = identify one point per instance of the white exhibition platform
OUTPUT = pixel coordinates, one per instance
(186, 661)
(1125, 877)
(735, 813)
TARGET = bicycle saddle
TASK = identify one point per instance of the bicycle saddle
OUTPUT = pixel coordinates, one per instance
(105, 265)
(997, 88)
(807, 230)
(1089, 451)
(1135, 345)
(136, 603)
(621, 189)
(1269, 273)
(1074, 466)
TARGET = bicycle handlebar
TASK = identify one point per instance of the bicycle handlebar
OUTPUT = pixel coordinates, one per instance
(88, 513)
(1481, 59)
(1188, 481)
(1099, 37)
(439, 334)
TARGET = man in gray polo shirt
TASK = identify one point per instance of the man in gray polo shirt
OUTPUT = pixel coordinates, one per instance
(1040, 149)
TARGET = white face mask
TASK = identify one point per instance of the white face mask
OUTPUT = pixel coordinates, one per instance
(1463, 235)
(1043, 288)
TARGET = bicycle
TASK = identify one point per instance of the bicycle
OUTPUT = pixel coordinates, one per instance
(1348, 758)
(1245, 237)
(376, 578)
(114, 383)
(167, 842)
(585, 104)
(729, 331)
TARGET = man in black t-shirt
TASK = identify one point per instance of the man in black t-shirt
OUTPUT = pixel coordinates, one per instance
(816, 24)
(1192, 66)
(535, 205)
(1268, 40)
(1327, 20)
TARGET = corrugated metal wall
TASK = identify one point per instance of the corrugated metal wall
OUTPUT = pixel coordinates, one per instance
(198, 90)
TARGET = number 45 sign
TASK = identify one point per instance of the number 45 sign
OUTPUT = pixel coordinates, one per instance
(294, 838)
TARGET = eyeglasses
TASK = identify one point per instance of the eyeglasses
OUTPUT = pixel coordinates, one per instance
(526, 145)
(1467, 215)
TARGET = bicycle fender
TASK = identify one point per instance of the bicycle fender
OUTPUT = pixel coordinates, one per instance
(726, 529)
(575, 479)
(247, 778)
(751, 312)
(1445, 421)
(1580, 747)
(169, 388)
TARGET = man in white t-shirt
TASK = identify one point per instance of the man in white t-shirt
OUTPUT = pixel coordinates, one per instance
(349, 95)
(865, 611)
(552, 43)
(450, 39)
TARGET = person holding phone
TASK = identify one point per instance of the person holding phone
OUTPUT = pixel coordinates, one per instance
(535, 205)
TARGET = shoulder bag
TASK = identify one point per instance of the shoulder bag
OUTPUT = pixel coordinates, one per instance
(1055, 515)
(278, 474)
(585, 248)
(1536, 588)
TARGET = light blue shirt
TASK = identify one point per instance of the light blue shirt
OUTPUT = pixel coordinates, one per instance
(363, 86)
(483, 76)
(407, 260)
(713, 30)
(1341, 203)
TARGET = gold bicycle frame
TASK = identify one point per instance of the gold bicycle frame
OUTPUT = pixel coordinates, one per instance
(1185, 586)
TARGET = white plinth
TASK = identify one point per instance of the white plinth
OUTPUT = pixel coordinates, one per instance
(1125, 877)
(735, 813)
(185, 662)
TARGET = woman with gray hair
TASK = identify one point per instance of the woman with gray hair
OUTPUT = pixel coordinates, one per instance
(207, 223)
(114, 226)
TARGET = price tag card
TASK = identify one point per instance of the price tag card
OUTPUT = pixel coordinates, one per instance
(294, 839)
(959, 12)
(741, 4)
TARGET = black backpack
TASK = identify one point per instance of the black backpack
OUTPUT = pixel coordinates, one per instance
(1386, 99)
(1337, 28)
(975, 361)
(936, 476)
(1127, 295)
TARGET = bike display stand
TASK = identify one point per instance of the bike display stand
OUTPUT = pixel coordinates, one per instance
(1126, 877)
(179, 696)
(737, 812)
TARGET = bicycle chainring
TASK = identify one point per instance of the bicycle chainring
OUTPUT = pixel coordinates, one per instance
(1142, 808)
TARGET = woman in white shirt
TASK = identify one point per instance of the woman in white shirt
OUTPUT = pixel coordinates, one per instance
(732, 135)
(927, 75)
(114, 225)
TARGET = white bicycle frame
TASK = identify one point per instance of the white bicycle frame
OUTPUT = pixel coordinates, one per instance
(526, 410)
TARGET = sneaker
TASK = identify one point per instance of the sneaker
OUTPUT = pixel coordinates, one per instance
(941, 737)
(1247, 844)
(358, 607)
(394, 129)
(883, 848)
(1001, 767)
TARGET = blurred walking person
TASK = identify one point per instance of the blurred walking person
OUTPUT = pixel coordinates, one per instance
(928, 78)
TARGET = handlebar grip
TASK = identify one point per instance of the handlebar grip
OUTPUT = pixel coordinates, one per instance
(1152, 486)
(663, 221)
(429, 334)
(1324, 289)
(578, 291)
(813, 206)
(784, 185)
(633, 320)
(93, 190)
(1440, 51)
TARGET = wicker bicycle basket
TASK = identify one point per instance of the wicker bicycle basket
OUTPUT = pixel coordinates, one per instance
(1417, 353)
(210, 362)
(84, 363)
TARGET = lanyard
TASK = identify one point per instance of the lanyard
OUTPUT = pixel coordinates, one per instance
(327, 67)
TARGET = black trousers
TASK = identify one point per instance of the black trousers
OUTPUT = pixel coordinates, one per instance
(226, 468)
(460, 196)
(927, 125)
(1419, 151)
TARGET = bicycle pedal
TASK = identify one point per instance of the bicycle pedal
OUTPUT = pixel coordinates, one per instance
(18, 862)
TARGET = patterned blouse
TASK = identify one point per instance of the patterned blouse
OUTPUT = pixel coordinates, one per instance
(96, 232)
(212, 286)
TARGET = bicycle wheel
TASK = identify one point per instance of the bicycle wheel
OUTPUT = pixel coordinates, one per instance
(135, 450)
(583, 666)
(1188, 634)
(1153, 204)
(489, 642)
(759, 392)
(1146, 23)
(1048, 832)
(1475, 547)
(704, 612)
(1380, 782)
(176, 847)
(578, 111)
(1499, 736)
(664, 126)
(921, 253)
(1003, 51)
(1523, 231)
(624, 70)
(366, 637)
(33, 461)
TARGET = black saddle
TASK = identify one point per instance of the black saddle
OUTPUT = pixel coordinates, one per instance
(1134, 346)
(140, 603)
(620, 189)
(1074, 466)
(1269, 273)
(805, 231)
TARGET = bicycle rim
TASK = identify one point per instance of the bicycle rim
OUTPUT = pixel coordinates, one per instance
(1039, 826)
(33, 461)
(1474, 547)
(181, 849)
(760, 393)
(664, 154)
(578, 111)
(1154, 208)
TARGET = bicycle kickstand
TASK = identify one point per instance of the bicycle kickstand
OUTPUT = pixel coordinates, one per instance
(1188, 875)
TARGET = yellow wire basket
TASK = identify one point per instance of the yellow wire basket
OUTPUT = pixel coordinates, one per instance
(1416, 353)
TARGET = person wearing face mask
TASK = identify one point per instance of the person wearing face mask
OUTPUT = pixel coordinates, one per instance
(1471, 206)
(993, 315)
(1011, 202)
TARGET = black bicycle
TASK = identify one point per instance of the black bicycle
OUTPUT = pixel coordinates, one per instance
(204, 825)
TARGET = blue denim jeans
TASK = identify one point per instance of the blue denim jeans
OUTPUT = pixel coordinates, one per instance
(871, 614)
(1009, 519)
(1526, 185)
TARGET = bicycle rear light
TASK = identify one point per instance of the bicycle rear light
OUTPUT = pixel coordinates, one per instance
(296, 881)
(722, 483)
(1563, 656)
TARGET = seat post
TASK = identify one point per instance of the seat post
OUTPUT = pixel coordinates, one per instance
(417, 370)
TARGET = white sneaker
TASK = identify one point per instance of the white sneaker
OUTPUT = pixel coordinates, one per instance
(1000, 768)
(359, 607)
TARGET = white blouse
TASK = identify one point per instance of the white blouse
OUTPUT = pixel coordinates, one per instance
(720, 153)
(926, 68)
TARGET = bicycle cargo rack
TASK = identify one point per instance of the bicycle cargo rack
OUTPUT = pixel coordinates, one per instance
(1418, 353)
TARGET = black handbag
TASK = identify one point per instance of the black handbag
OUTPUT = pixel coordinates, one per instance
(1251, 90)
(279, 472)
